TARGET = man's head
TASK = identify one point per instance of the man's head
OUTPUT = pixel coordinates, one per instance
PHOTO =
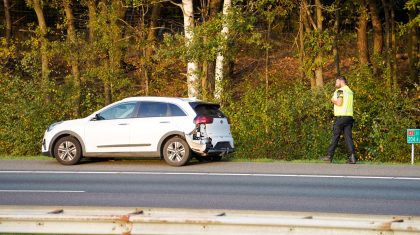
(340, 81)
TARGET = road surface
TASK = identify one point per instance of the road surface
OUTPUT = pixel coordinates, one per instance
(338, 188)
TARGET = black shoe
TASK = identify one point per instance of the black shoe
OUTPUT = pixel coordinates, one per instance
(326, 158)
(352, 159)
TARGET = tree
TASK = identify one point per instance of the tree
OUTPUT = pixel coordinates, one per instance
(314, 40)
(413, 45)
(362, 42)
(390, 43)
(92, 19)
(8, 19)
(377, 27)
(149, 49)
(209, 10)
(318, 60)
(192, 66)
(227, 4)
(71, 37)
(338, 4)
(36, 4)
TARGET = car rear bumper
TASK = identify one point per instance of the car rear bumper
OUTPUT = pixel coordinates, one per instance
(213, 151)
(223, 147)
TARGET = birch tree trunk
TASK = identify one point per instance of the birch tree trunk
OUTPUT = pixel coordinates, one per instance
(214, 8)
(8, 19)
(192, 66)
(71, 37)
(318, 60)
(219, 76)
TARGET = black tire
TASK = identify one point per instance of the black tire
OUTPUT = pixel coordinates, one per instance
(176, 152)
(67, 151)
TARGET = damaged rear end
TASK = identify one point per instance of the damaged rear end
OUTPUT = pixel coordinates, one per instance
(211, 135)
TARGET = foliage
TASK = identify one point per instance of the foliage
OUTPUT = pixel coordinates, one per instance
(300, 121)
(281, 119)
(316, 43)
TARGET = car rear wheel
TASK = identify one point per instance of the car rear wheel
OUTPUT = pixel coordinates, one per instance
(176, 152)
(68, 151)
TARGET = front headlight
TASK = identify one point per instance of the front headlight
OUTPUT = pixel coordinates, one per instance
(52, 126)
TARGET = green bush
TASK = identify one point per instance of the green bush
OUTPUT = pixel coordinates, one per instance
(293, 122)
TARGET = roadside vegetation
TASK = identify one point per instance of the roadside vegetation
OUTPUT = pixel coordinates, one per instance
(270, 63)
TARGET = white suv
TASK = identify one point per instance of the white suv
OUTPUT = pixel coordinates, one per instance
(172, 128)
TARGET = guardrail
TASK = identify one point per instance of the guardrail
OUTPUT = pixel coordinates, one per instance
(84, 220)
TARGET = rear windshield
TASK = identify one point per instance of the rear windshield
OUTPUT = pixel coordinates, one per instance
(209, 110)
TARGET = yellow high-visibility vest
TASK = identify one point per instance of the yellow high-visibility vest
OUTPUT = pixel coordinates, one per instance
(346, 108)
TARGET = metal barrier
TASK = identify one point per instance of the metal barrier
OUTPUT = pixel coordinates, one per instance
(107, 220)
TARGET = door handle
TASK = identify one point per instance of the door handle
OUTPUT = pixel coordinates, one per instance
(165, 122)
(122, 124)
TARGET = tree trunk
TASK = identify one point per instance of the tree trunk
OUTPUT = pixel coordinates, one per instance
(387, 39)
(115, 53)
(8, 19)
(309, 26)
(393, 51)
(318, 60)
(151, 38)
(210, 66)
(377, 28)
(92, 19)
(362, 42)
(44, 57)
(336, 34)
(413, 49)
(301, 40)
(192, 66)
(214, 7)
(71, 37)
(227, 4)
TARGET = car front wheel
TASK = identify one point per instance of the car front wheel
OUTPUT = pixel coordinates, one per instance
(68, 151)
(176, 152)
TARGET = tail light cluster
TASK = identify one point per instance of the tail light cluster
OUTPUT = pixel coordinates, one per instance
(206, 120)
(203, 120)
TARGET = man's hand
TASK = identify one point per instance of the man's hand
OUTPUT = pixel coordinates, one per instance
(338, 101)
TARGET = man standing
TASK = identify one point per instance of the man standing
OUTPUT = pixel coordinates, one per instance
(343, 112)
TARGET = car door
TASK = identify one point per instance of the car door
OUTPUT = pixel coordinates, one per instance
(109, 132)
(153, 122)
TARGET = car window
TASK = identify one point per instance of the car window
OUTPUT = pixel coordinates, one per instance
(153, 109)
(120, 111)
(175, 111)
(209, 110)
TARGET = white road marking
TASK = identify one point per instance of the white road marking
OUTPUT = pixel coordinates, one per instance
(213, 174)
(37, 191)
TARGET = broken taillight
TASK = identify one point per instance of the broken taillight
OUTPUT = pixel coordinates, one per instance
(203, 120)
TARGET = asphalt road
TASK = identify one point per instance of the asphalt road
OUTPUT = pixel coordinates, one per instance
(340, 188)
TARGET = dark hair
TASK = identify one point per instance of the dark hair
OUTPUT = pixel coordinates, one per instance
(342, 78)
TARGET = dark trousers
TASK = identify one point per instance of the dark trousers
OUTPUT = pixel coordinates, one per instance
(342, 125)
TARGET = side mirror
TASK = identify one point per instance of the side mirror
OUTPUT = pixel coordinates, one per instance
(97, 117)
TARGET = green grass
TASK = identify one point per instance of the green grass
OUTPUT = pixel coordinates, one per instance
(303, 161)
(8, 157)
(234, 159)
